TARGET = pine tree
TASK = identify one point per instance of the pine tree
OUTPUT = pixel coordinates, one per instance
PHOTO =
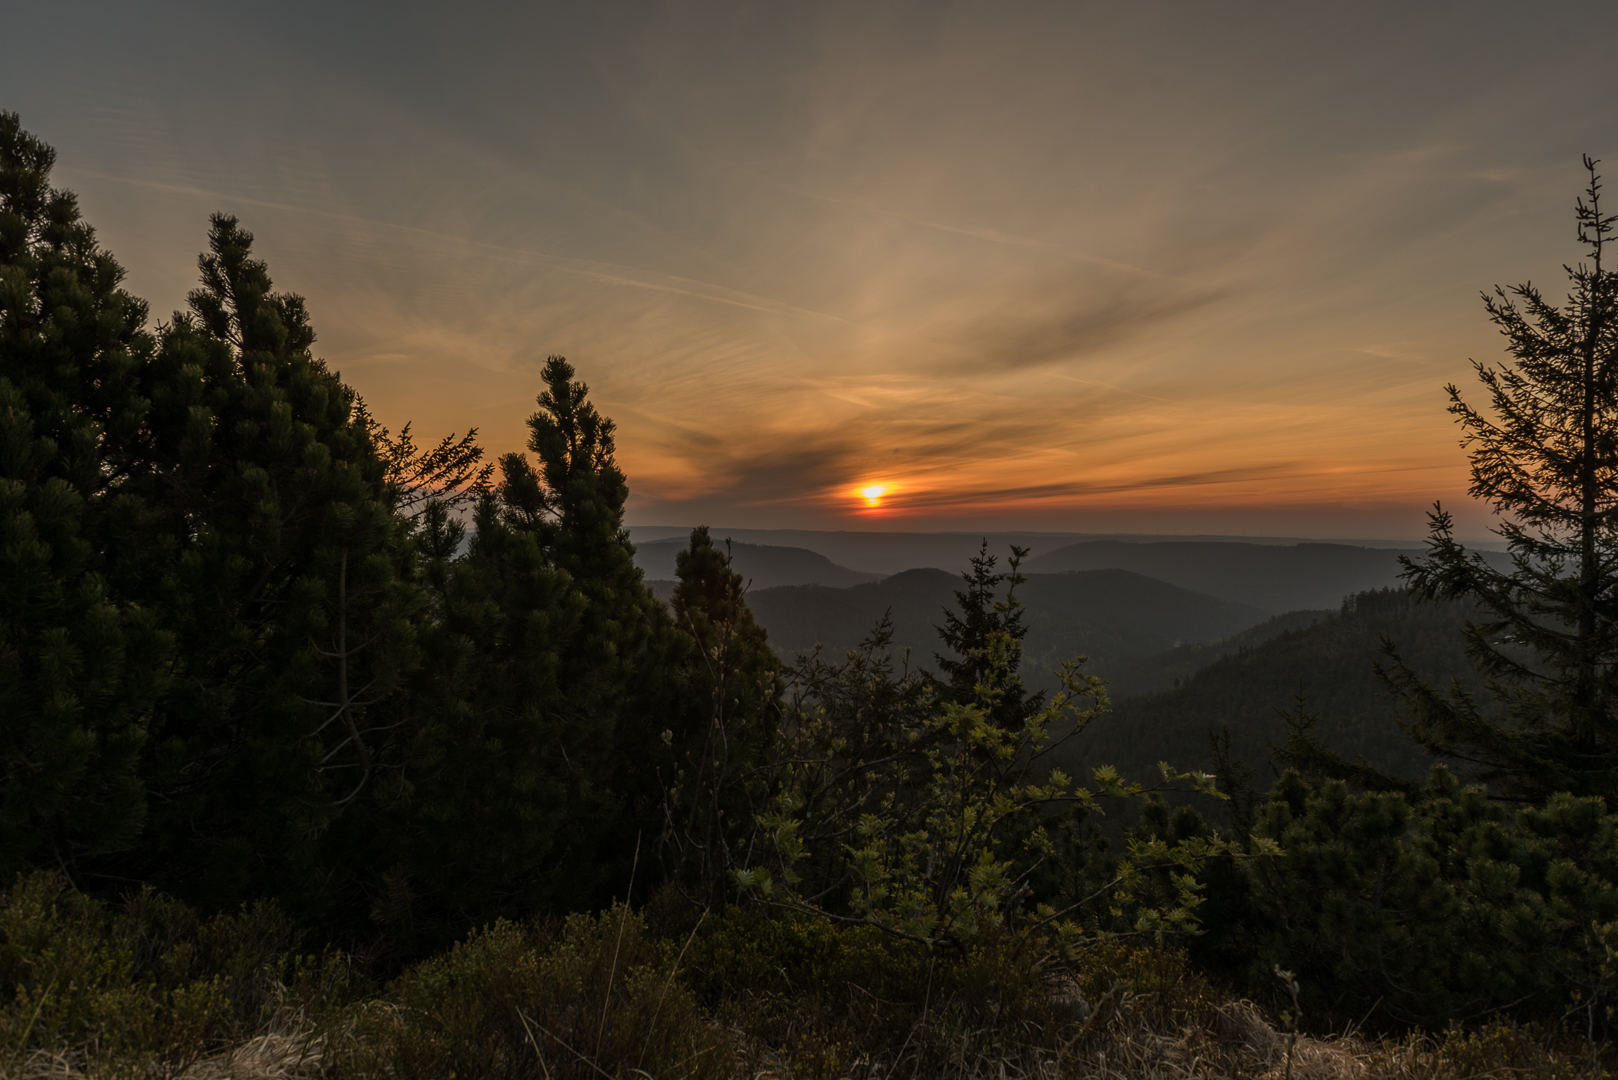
(499, 766)
(286, 586)
(1546, 641)
(79, 669)
(450, 474)
(617, 670)
(734, 687)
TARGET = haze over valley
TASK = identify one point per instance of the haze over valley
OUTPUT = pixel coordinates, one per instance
(1191, 635)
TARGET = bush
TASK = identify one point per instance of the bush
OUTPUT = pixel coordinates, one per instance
(1436, 907)
(822, 1000)
(593, 996)
(146, 987)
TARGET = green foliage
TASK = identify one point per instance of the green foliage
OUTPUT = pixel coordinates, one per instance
(280, 567)
(845, 742)
(922, 815)
(80, 666)
(1503, 1048)
(489, 793)
(836, 1000)
(1421, 908)
(244, 652)
(970, 633)
(576, 657)
(148, 988)
(450, 474)
(1546, 642)
(712, 791)
(145, 987)
(594, 996)
(801, 955)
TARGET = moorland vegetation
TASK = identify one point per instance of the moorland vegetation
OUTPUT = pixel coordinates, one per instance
(329, 753)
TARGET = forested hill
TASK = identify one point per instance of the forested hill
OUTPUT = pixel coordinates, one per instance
(763, 566)
(1330, 662)
(1106, 614)
(1276, 578)
(1134, 676)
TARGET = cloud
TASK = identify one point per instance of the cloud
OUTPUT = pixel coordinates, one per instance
(1050, 262)
(1055, 324)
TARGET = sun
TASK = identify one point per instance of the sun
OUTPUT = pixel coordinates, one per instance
(872, 494)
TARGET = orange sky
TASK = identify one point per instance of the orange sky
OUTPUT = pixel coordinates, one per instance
(1177, 267)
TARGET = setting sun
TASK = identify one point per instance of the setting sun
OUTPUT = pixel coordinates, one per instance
(872, 494)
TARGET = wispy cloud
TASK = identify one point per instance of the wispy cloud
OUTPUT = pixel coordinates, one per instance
(1042, 262)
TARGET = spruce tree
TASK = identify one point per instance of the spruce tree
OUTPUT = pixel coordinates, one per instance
(968, 634)
(1546, 461)
(79, 667)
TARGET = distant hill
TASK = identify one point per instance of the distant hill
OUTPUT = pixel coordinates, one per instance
(1110, 615)
(1162, 671)
(893, 552)
(1276, 578)
(1330, 661)
(765, 566)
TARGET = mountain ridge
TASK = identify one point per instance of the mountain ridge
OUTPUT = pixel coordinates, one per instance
(1105, 614)
(764, 566)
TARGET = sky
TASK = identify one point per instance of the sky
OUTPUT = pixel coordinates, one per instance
(1101, 267)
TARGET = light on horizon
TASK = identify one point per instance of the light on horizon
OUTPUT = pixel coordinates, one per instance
(872, 494)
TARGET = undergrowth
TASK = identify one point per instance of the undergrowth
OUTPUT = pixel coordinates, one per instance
(146, 988)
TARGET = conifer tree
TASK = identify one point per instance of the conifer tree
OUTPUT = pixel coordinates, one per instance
(969, 635)
(573, 506)
(79, 670)
(617, 671)
(1546, 460)
(734, 686)
(499, 767)
(450, 474)
(285, 589)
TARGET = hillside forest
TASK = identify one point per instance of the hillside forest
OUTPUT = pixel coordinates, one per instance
(329, 752)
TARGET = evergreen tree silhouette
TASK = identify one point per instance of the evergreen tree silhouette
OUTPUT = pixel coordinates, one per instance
(1545, 458)
(80, 669)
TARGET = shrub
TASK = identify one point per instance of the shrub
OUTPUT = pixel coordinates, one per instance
(593, 996)
(816, 999)
(145, 987)
(1436, 907)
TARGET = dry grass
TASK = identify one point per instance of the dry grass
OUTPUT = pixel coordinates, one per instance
(290, 1055)
(86, 996)
(1236, 1041)
(1118, 1042)
(289, 1049)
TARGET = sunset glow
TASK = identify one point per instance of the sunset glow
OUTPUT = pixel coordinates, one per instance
(783, 247)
